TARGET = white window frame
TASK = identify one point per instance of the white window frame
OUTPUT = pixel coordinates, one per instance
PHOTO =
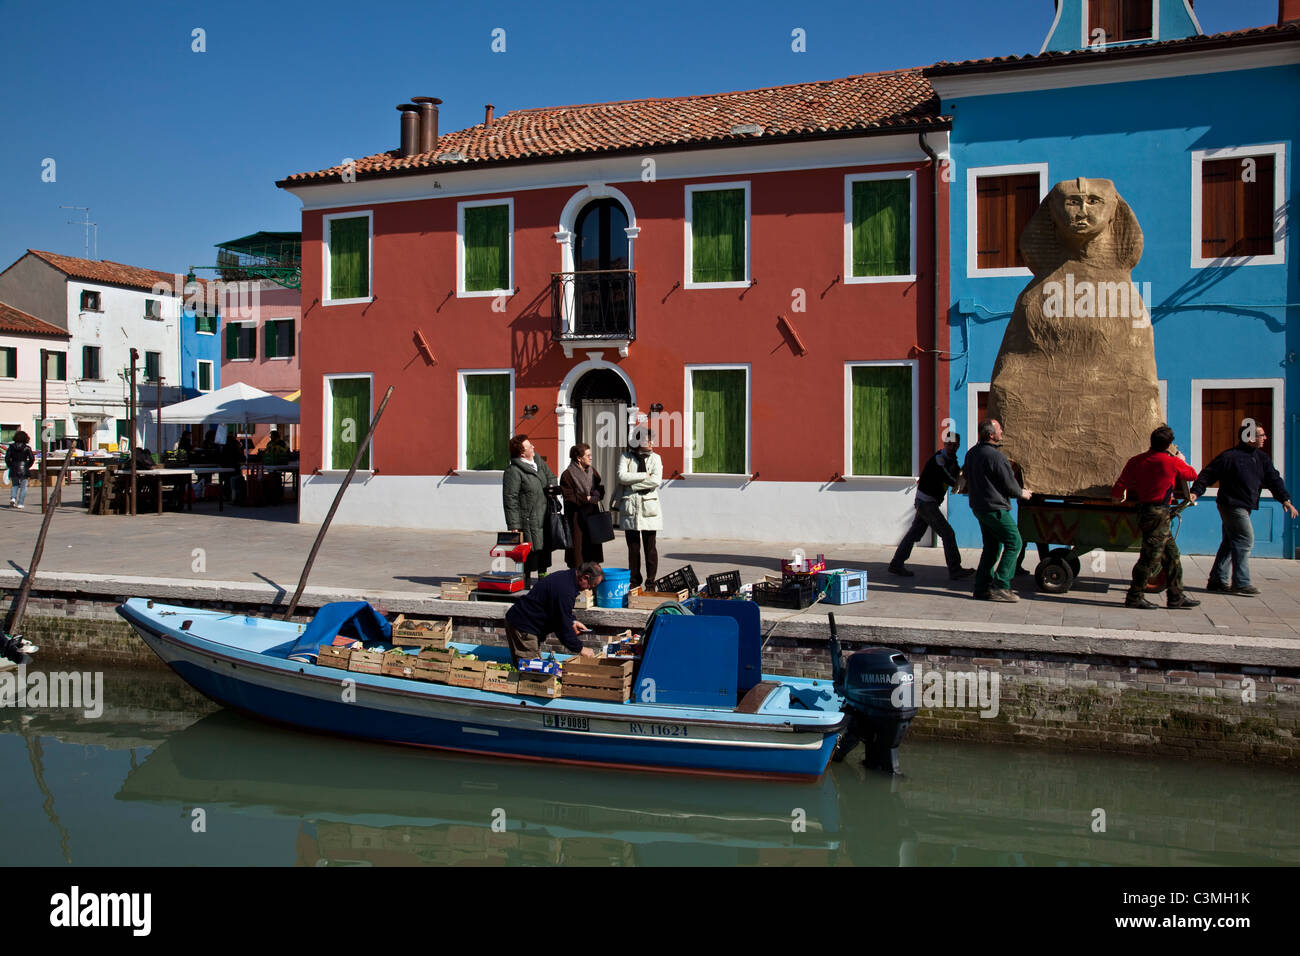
(326, 220)
(327, 413)
(98, 298)
(688, 423)
(462, 403)
(1199, 156)
(281, 358)
(1155, 29)
(973, 271)
(246, 322)
(156, 316)
(1276, 439)
(688, 282)
(914, 365)
(198, 376)
(509, 203)
(849, 180)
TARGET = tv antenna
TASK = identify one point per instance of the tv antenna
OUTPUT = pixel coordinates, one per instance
(87, 225)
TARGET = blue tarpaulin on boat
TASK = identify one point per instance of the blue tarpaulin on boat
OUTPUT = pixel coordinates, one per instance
(346, 618)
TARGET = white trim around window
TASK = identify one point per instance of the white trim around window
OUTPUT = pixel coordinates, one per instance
(1086, 40)
(250, 323)
(327, 414)
(198, 375)
(849, 180)
(914, 365)
(1278, 151)
(462, 401)
(973, 270)
(688, 419)
(509, 203)
(972, 434)
(370, 256)
(687, 282)
(1276, 440)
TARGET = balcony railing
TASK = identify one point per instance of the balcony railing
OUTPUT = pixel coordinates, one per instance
(594, 305)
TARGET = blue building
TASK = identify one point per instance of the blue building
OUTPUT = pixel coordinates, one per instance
(1198, 134)
(200, 347)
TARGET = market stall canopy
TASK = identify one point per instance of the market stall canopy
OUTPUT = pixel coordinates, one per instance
(234, 403)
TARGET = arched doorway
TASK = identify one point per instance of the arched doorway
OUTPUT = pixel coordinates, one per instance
(600, 400)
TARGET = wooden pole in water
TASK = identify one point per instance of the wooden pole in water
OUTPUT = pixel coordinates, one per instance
(320, 535)
(20, 605)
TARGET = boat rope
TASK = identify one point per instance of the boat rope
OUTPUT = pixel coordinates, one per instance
(821, 595)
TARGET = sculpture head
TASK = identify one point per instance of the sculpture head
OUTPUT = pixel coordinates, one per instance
(1082, 219)
(1082, 208)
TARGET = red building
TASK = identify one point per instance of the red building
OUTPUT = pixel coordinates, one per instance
(754, 269)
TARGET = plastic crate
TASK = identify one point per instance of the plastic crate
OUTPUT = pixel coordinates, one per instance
(795, 593)
(682, 579)
(724, 584)
(843, 585)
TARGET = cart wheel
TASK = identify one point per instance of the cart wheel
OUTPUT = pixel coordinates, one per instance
(1068, 557)
(1053, 574)
(1157, 583)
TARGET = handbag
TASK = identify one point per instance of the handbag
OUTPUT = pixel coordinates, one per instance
(559, 535)
(598, 527)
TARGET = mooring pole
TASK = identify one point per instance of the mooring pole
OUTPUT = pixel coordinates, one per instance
(20, 605)
(40, 427)
(320, 535)
(157, 432)
(131, 445)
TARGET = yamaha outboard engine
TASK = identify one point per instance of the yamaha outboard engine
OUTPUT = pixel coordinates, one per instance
(877, 686)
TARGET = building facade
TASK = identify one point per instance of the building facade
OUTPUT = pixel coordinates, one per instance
(22, 339)
(261, 347)
(755, 272)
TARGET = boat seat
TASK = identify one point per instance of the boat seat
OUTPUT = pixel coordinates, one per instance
(757, 696)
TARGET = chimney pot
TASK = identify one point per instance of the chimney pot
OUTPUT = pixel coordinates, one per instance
(428, 106)
(1287, 11)
(487, 117)
(410, 129)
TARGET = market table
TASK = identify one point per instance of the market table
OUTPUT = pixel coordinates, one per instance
(202, 471)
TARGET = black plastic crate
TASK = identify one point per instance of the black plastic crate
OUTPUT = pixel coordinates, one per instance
(724, 584)
(795, 593)
(683, 579)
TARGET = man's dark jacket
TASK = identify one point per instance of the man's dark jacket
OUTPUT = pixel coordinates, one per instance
(989, 479)
(939, 474)
(1241, 472)
(548, 609)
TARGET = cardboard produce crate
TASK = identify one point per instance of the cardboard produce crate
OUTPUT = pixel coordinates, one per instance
(366, 662)
(398, 664)
(645, 600)
(436, 672)
(331, 656)
(539, 685)
(467, 673)
(454, 592)
(437, 655)
(501, 681)
(434, 634)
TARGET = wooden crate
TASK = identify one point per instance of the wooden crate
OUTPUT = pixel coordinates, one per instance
(433, 671)
(399, 665)
(334, 657)
(454, 592)
(467, 673)
(366, 662)
(433, 634)
(598, 671)
(437, 655)
(585, 601)
(644, 600)
(496, 679)
(617, 695)
(539, 685)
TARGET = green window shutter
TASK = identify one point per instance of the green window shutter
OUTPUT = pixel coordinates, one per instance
(56, 366)
(232, 341)
(882, 226)
(284, 336)
(718, 235)
(9, 363)
(350, 398)
(487, 422)
(487, 248)
(205, 377)
(882, 420)
(718, 404)
(270, 340)
(349, 258)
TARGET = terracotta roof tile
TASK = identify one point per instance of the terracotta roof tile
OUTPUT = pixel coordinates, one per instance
(18, 322)
(874, 101)
(105, 270)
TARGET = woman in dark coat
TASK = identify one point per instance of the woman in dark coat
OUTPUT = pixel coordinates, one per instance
(524, 497)
(583, 493)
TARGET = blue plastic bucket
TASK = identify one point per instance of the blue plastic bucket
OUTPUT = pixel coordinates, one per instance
(612, 592)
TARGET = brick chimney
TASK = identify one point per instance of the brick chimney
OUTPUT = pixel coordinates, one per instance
(1288, 11)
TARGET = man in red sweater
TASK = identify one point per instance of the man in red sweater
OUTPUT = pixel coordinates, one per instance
(1149, 480)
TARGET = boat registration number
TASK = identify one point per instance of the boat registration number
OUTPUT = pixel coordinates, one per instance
(565, 722)
(658, 730)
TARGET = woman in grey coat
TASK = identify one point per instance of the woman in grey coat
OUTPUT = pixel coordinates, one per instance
(524, 496)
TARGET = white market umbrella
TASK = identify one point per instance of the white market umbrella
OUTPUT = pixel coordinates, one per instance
(234, 403)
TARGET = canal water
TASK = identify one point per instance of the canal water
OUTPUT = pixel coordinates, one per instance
(164, 777)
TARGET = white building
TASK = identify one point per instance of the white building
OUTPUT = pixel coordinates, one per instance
(107, 308)
(22, 337)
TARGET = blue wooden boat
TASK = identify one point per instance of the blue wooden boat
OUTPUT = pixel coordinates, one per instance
(712, 711)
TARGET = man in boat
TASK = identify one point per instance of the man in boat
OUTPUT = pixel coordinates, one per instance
(991, 484)
(548, 609)
(940, 473)
(1149, 479)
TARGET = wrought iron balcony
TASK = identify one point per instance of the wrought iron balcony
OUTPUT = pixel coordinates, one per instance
(594, 308)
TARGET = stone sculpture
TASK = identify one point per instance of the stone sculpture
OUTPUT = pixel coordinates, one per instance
(1074, 384)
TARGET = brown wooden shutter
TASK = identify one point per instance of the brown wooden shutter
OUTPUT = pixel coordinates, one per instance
(1218, 207)
(1103, 15)
(1135, 19)
(981, 412)
(1222, 412)
(1255, 209)
(1003, 207)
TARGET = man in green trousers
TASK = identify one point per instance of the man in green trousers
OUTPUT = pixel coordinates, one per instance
(991, 484)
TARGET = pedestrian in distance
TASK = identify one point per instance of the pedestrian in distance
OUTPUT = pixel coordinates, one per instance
(940, 473)
(1241, 472)
(991, 485)
(19, 460)
(1150, 479)
(524, 497)
(640, 473)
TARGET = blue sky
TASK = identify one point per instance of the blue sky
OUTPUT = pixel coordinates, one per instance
(175, 150)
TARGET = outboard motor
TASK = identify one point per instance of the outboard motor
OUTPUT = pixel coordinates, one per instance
(878, 699)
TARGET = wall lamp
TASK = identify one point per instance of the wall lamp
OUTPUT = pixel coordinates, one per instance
(529, 411)
(657, 407)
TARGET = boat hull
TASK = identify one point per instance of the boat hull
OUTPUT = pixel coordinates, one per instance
(449, 718)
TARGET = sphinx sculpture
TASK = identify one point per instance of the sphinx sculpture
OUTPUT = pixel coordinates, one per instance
(1074, 384)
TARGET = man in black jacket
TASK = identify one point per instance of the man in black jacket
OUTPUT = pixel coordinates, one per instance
(940, 473)
(1240, 472)
(548, 609)
(991, 483)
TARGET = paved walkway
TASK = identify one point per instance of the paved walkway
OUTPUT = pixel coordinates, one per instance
(267, 545)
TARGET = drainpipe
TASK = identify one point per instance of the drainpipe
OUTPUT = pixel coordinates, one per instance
(934, 168)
